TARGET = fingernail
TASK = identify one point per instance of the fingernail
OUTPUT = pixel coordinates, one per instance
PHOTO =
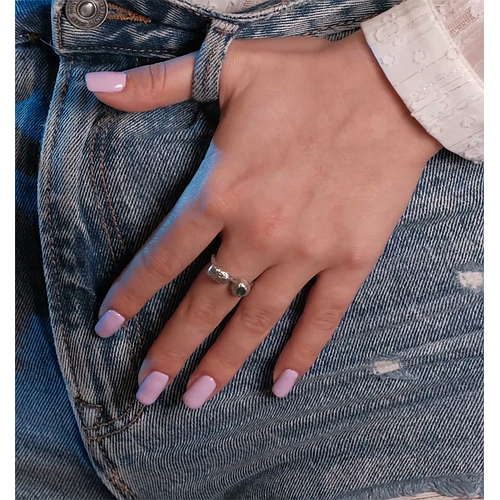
(152, 386)
(285, 382)
(106, 81)
(199, 392)
(109, 323)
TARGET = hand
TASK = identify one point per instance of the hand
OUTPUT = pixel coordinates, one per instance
(310, 169)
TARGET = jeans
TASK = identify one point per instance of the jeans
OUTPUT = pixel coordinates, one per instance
(393, 405)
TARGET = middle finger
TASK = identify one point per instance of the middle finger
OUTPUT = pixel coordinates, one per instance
(268, 300)
(205, 305)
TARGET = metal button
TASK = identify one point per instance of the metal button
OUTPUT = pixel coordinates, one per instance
(86, 14)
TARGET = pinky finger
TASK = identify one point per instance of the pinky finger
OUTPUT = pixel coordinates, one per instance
(327, 302)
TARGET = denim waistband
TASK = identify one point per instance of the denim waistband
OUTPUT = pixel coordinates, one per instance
(167, 28)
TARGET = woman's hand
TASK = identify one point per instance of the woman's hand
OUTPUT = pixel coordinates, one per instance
(311, 167)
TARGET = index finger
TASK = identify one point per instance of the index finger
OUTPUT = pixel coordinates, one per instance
(180, 238)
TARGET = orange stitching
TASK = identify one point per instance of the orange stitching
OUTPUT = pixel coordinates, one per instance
(88, 47)
(98, 438)
(55, 267)
(51, 222)
(123, 14)
(119, 483)
(33, 37)
(117, 478)
(81, 402)
(124, 414)
(84, 403)
(224, 31)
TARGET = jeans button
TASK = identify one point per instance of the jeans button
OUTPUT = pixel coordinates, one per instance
(86, 14)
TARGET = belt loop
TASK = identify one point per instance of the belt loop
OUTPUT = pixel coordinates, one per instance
(208, 65)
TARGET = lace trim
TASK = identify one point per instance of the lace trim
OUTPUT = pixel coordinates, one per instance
(430, 73)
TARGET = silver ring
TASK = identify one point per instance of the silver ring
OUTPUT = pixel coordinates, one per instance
(239, 286)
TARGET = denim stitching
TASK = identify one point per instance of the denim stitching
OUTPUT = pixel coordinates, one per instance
(139, 336)
(96, 426)
(117, 229)
(122, 11)
(249, 17)
(347, 26)
(117, 431)
(118, 232)
(32, 37)
(81, 402)
(207, 69)
(106, 190)
(52, 247)
(117, 480)
(51, 222)
(59, 27)
(98, 200)
(88, 47)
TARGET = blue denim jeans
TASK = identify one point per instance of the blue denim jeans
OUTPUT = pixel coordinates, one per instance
(393, 405)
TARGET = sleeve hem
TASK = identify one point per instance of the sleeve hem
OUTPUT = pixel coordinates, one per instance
(430, 74)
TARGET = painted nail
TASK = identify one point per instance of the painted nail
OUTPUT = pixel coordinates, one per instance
(109, 323)
(285, 382)
(199, 392)
(106, 81)
(152, 386)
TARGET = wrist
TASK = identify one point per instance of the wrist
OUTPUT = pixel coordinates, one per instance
(382, 105)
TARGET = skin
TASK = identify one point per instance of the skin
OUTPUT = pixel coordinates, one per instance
(311, 167)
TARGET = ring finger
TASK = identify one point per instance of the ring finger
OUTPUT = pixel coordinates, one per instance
(205, 305)
(270, 297)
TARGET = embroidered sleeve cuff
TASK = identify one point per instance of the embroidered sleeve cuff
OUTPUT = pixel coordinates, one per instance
(430, 74)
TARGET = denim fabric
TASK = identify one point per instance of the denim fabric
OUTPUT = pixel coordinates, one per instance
(51, 460)
(392, 406)
(210, 58)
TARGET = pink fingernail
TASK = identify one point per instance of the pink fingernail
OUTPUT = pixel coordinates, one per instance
(285, 382)
(199, 392)
(152, 386)
(106, 81)
(109, 323)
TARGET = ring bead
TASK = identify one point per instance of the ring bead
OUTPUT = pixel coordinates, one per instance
(239, 286)
(218, 275)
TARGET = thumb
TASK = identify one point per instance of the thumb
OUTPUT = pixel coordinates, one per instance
(147, 87)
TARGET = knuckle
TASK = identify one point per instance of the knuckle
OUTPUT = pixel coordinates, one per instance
(129, 300)
(171, 358)
(257, 321)
(157, 78)
(214, 207)
(326, 319)
(358, 257)
(308, 250)
(356, 253)
(306, 352)
(226, 364)
(203, 313)
(266, 237)
(214, 200)
(159, 266)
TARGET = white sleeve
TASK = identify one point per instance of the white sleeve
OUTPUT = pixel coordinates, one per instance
(432, 53)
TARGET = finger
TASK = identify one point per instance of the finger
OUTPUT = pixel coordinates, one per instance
(328, 300)
(269, 298)
(147, 87)
(181, 237)
(205, 305)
